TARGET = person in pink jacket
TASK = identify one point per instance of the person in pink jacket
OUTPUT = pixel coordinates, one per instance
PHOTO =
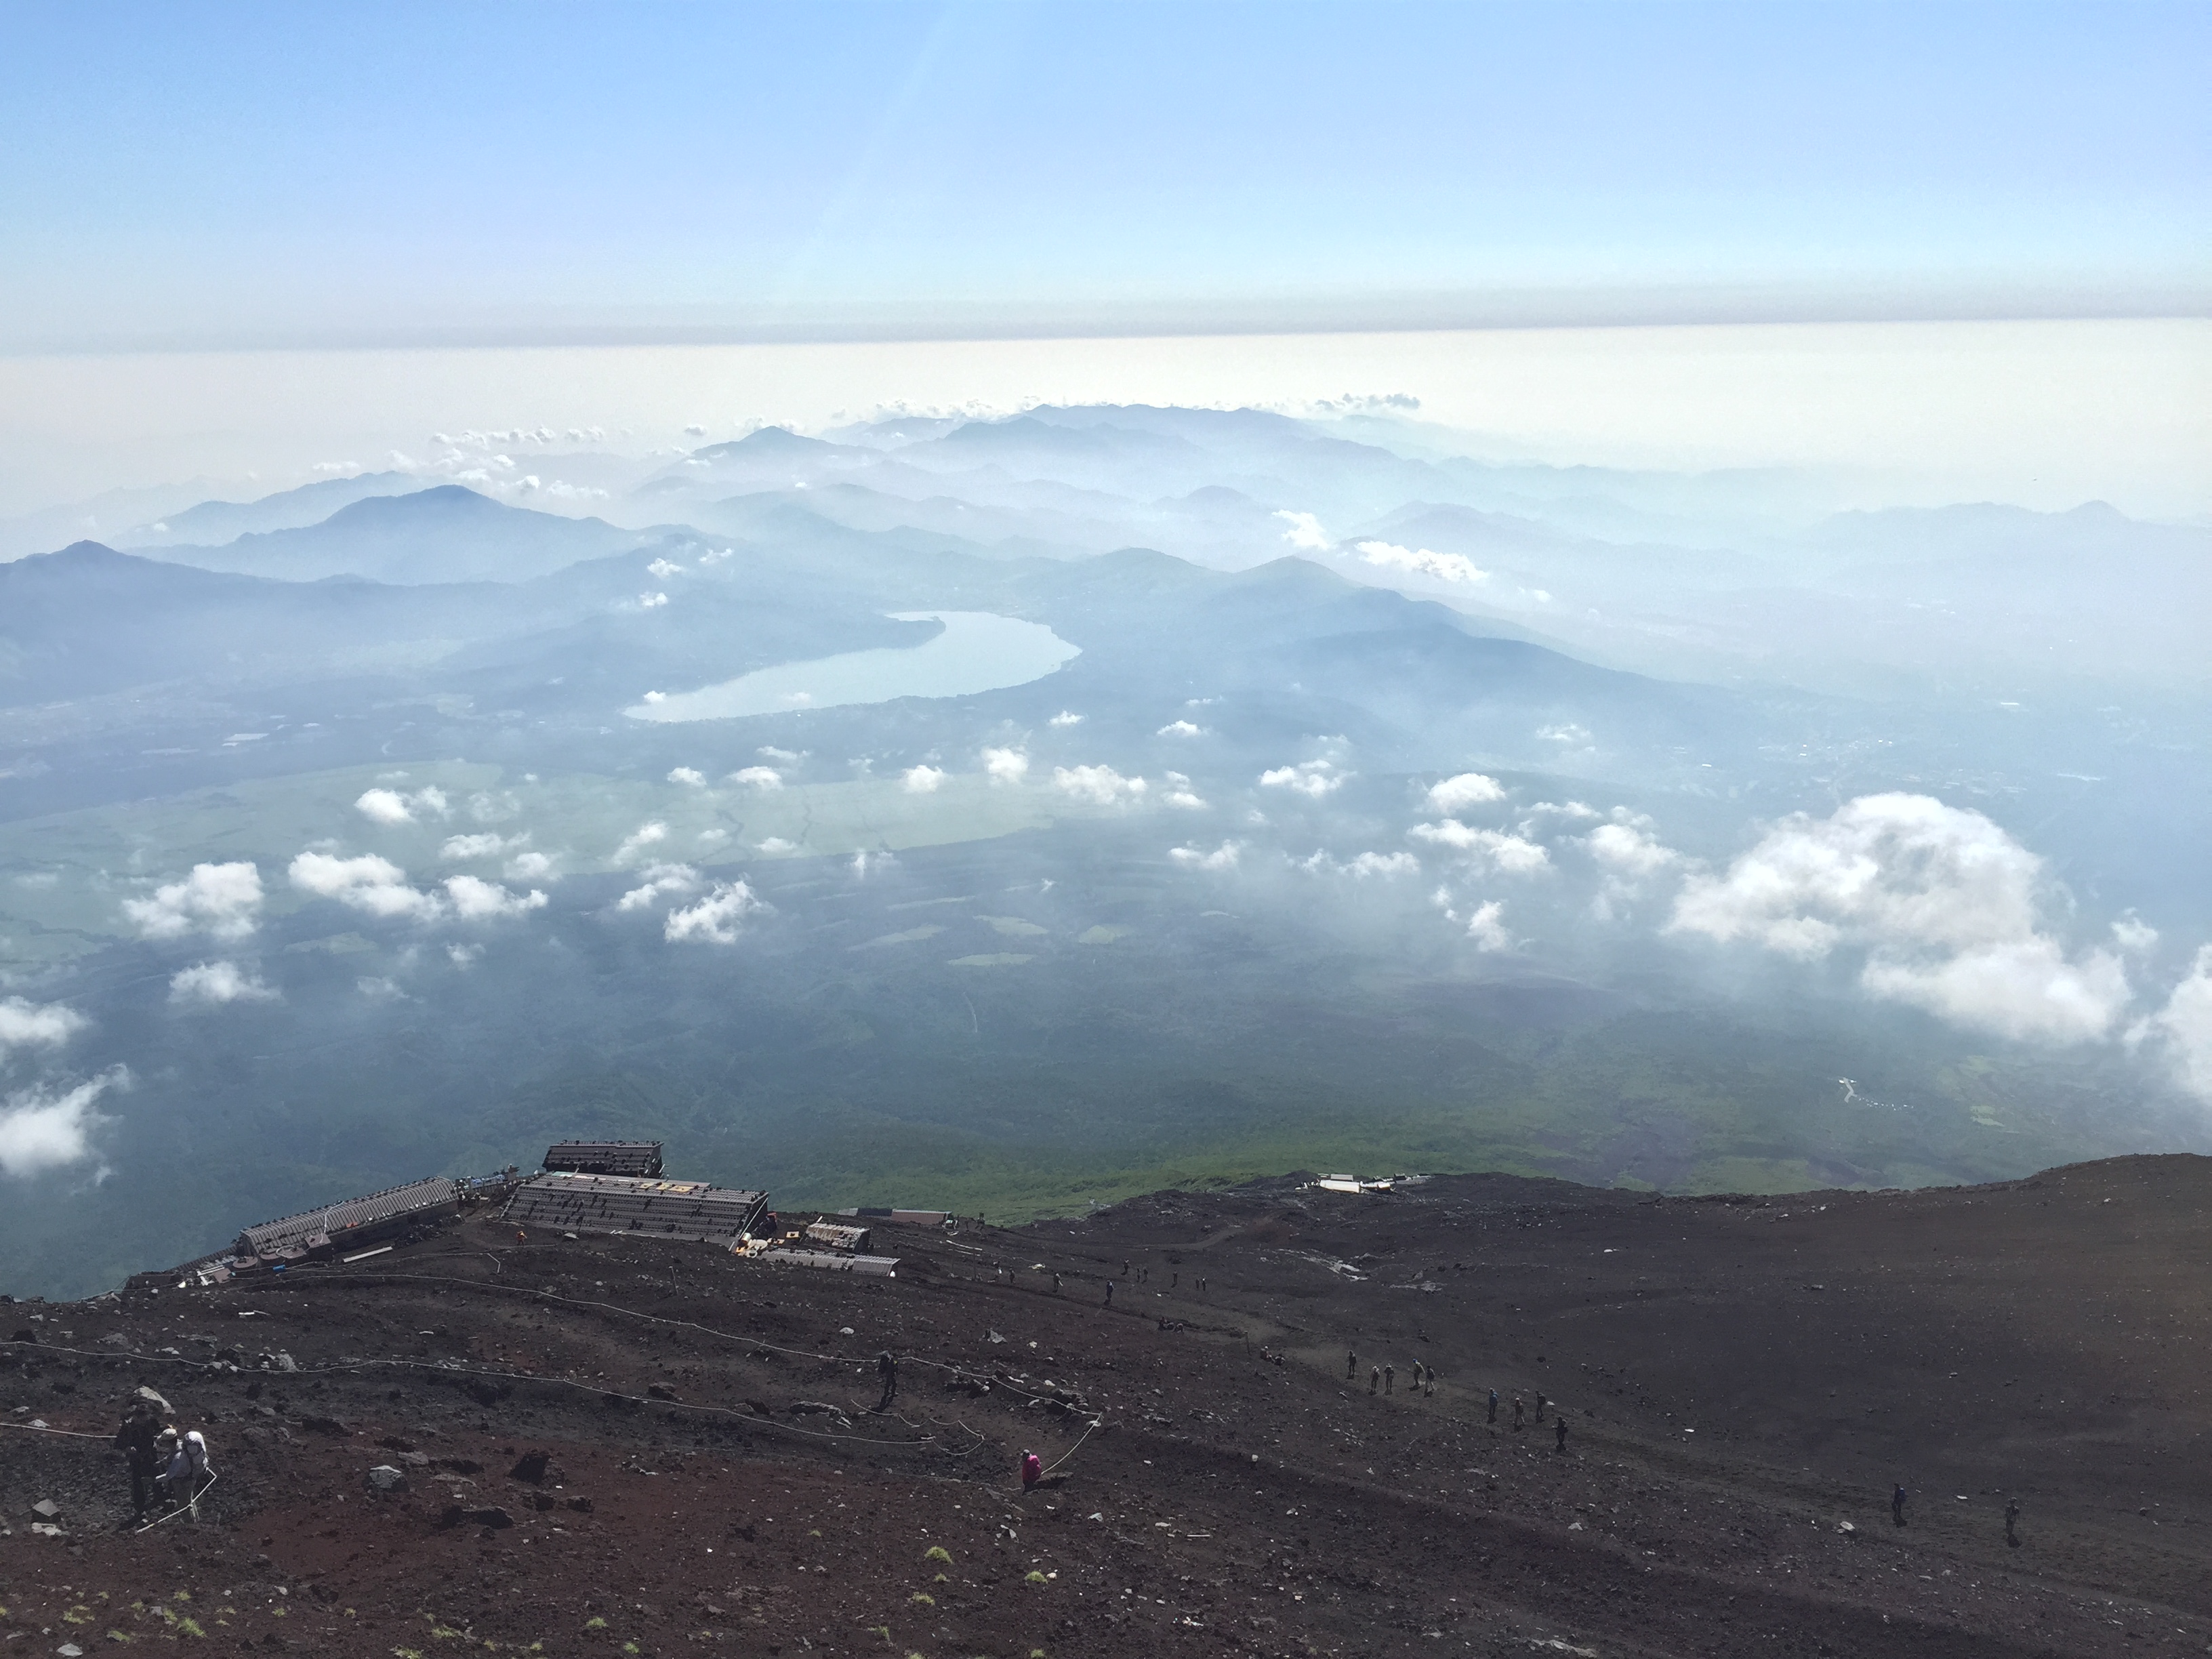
(1032, 1469)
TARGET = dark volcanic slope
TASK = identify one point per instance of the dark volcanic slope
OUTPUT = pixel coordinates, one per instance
(1744, 1380)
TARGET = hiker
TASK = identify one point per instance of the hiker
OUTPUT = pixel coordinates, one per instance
(188, 1473)
(1560, 1428)
(1032, 1469)
(1351, 1365)
(1055, 1284)
(2012, 1521)
(887, 1374)
(1110, 1292)
(1429, 1386)
(1493, 1405)
(1540, 1407)
(1174, 1279)
(1417, 1376)
(1519, 1410)
(1389, 1378)
(1897, 1506)
(135, 1439)
(1125, 1270)
(1374, 1379)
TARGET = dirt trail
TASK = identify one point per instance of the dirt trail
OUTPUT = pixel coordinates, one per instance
(1743, 1381)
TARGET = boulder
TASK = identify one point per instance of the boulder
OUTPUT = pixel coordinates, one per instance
(384, 1478)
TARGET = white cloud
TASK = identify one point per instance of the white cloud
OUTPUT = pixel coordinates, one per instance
(1305, 533)
(1363, 865)
(2185, 1023)
(778, 844)
(769, 752)
(1314, 779)
(2133, 934)
(1571, 809)
(463, 956)
(475, 900)
(757, 777)
(24, 1023)
(1442, 567)
(645, 835)
(40, 1131)
(1567, 732)
(1945, 904)
(1102, 786)
(1513, 855)
(662, 569)
(1006, 765)
(223, 899)
(1629, 852)
(378, 989)
(1486, 927)
(922, 780)
(461, 848)
(1180, 729)
(391, 807)
(375, 886)
(651, 601)
(716, 919)
(212, 984)
(690, 777)
(1180, 794)
(528, 866)
(1066, 717)
(659, 879)
(1456, 795)
(1223, 857)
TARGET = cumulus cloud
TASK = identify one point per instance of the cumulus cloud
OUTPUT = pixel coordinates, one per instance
(769, 752)
(1223, 857)
(1568, 733)
(1102, 786)
(1628, 851)
(391, 807)
(475, 900)
(660, 879)
(214, 984)
(1305, 533)
(527, 866)
(222, 899)
(378, 989)
(717, 919)
(1362, 866)
(1514, 854)
(690, 777)
(2133, 934)
(1066, 717)
(1180, 794)
(41, 1130)
(1314, 779)
(1180, 729)
(662, 569)
(1006, 765)
(1486, 927)
(2185, 1024)
(922, 780)
(777, 844)
(1455, 795)
(371, 884)
(1419, 562)
(459, 849)
(757, 777)
(1945, 904)
(27, 1024)
(645, 835)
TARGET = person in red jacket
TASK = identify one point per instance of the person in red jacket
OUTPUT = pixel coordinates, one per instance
(1032, 1469)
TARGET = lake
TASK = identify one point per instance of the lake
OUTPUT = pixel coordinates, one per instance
(978, 651)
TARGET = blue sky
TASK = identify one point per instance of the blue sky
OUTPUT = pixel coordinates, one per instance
(303, 174)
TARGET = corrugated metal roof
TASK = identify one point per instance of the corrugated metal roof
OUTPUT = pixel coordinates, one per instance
(623, 1158)
(394, 1204)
